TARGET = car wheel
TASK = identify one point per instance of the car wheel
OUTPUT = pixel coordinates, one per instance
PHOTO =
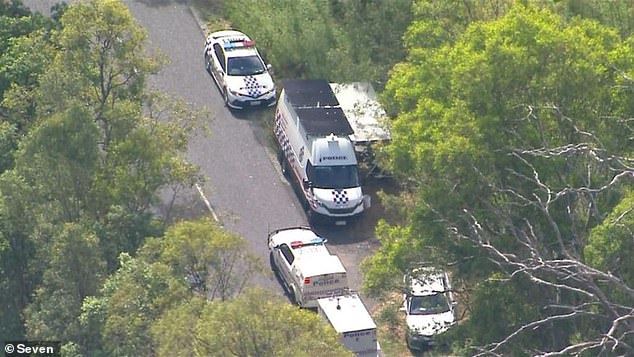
(272, 262)
(284, 165)
(225, 95)
(311, 217)
(293, 293)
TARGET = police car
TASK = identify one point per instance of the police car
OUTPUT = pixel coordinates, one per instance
(429, 306)
(238, 69)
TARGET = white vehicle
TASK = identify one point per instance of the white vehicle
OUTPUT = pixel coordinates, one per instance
(429, 307)
(238, 69)
(307, 269)
(316, 152)
(353, 323)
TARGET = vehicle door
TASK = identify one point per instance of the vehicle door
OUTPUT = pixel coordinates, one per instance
(219, 64)
(284, 259)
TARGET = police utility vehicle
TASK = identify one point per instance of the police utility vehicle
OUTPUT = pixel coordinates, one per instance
(307, 269)
(316, 152)
(238, 69)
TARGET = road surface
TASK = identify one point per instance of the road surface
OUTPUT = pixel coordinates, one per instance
(245, 186)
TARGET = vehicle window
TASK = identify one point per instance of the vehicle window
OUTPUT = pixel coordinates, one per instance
(287, 253)
(341, 176)
(245, 66)
(220, 55)
(430, 304)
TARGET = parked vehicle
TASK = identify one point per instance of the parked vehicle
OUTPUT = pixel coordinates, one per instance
(238, 69)
(316, 152)
(306, 268)
(429, 306)
(352, 321)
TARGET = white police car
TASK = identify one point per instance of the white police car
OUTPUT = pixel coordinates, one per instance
(238, 69)
(429, 306)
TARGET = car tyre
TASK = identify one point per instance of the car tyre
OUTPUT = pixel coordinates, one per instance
(225, 95)
(284, 166)
(207, 65)
(293, 293)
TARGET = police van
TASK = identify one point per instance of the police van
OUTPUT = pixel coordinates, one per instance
(352, 321)
(306, 268)
(316, 152)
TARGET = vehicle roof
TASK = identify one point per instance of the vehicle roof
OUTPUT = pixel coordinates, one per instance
(428, 282)
(294, 234)
(332, 152)
(324, 121)
(235, 36)
(319, 264)
(351, 316)
(309, 93)
(241, 52)
(227, 33)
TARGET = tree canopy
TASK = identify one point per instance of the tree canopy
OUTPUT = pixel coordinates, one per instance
(512, 143)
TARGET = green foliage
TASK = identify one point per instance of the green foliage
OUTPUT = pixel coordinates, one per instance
(610, 244)
(181, 341)
(75, 270)
(60, 157)
(262, 324)
(20, 69)
(472, 104)
(384, 270)
(87, 157)
(119, 320)
(293, 35)
(8, 142)
(215, 261)
(502, 306)
(192, 262)
(337, 40)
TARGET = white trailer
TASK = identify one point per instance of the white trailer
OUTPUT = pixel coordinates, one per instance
(316, 152)
(353, 323)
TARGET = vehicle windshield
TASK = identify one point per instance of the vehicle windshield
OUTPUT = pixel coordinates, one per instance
(428, 305)
(245, 66)
(340, 176)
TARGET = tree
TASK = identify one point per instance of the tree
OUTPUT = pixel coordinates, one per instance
(60, 157)
(75, 271)
(511, 141)
(181, 341)
(216, 262)
(101, 62)
(20, 69)
(193, 261)
(259, 323)
(87, 154)
(118, 320)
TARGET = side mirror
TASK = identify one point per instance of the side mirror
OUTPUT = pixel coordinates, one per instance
(306, 184)
(269, 67)
(401, 309)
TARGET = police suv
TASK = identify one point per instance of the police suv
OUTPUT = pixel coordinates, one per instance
(238, 69)
(306, 268)
(429, 306)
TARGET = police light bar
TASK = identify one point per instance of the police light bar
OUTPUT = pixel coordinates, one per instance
(238, 43)
(314, 241)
